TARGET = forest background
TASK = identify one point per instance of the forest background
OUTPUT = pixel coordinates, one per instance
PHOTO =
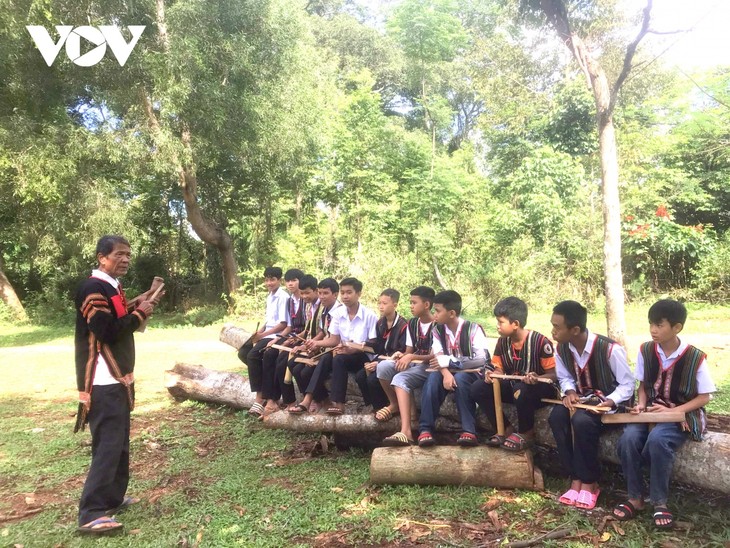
(446, 142)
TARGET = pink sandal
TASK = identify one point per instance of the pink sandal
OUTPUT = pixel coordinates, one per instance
(569, 497)
(587, 500)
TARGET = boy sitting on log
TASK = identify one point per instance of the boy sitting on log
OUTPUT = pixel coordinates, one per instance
(672, 375)
(311, 376)
(460, 354)
(251, 353)
(285, 360)
(390, 337)
(352, 325)
(400, 376)
(523, 353)
(271, 387)
(591, 369)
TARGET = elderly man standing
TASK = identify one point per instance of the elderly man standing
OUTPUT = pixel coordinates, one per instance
(104, 341)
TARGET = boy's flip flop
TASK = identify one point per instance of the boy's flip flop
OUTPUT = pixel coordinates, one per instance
(628, 509)
(517, 443)
(99, 527)
(257, 410)
(496, 440)
(587, 500)
(298, 409)
(569, 497)
(663, 513)
(425, 439)
(399, 439)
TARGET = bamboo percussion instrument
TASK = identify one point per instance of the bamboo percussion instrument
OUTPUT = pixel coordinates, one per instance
(498, 408)
(518, 377)
(453, 370)
(314, 359)
(282, 348)
(154, 295)
(594, 408)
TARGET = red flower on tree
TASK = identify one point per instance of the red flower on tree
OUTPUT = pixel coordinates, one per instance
(661, 211)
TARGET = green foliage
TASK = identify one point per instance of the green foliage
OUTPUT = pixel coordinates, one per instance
(711, 276)
(665, 252)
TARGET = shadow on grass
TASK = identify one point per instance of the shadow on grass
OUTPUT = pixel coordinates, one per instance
(28, 335)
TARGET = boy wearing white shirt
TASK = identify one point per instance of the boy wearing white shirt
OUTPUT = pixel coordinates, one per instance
(352, 322)
(590, 368)
(458, 344)
(672, 375)
(251, 353)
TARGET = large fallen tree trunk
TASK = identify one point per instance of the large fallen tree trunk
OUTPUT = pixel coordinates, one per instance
(448, 465)
(234, 336)
(705, 464)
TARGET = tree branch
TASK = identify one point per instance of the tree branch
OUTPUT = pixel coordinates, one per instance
(630, 52)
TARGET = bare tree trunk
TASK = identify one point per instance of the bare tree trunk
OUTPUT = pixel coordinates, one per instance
(8, 295)
(613, 275)
(437, 273)
(605, 97)
(207, 230)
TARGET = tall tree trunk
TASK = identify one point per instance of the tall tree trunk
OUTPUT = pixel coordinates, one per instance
(8, 295)
(605, 97)
(207, 230)
(613, 275)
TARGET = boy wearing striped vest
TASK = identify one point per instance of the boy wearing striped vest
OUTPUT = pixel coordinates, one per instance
(390, 338)
(407, 371)
(672, 375)
(591, 369)
(459, 347)
(518, 352)
(311, 378)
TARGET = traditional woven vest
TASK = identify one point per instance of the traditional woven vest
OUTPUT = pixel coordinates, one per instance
(529, 356)
(465, 337)
(421, 343)
(676, 385)
(597, 374)
(298, 319)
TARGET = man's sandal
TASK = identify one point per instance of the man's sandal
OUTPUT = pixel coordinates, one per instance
(100, 526)
(517, 443)
(399, 439)
(385, 414)
(257, 410)
(298, 409)
(467, 439)
(126, 503)
(627, 509)
(663, 513)
(334, 411)
(425, 439)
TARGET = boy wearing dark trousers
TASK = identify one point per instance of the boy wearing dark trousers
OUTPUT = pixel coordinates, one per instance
(251, 353)
(390, 337)
(458, 345)
(271, 387)
(311, 378)
(350, 323)
(519, 351)
(591, 369)
(672, 376)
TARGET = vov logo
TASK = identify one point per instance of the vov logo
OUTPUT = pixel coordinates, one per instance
(101, 37)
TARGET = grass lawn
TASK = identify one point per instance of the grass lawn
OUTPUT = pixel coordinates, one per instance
(212, 477)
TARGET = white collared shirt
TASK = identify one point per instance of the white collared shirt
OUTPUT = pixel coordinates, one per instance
(359, 329)
(704, 381)
(479, 341)
(422, 327)
(102, 376)
(275, 310)
(616, 361)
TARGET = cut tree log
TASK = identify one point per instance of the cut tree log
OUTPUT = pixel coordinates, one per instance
(234, 336)
(705, 464)
(449, 465)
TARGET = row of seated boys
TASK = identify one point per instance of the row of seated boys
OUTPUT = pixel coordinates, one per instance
(440, 352)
